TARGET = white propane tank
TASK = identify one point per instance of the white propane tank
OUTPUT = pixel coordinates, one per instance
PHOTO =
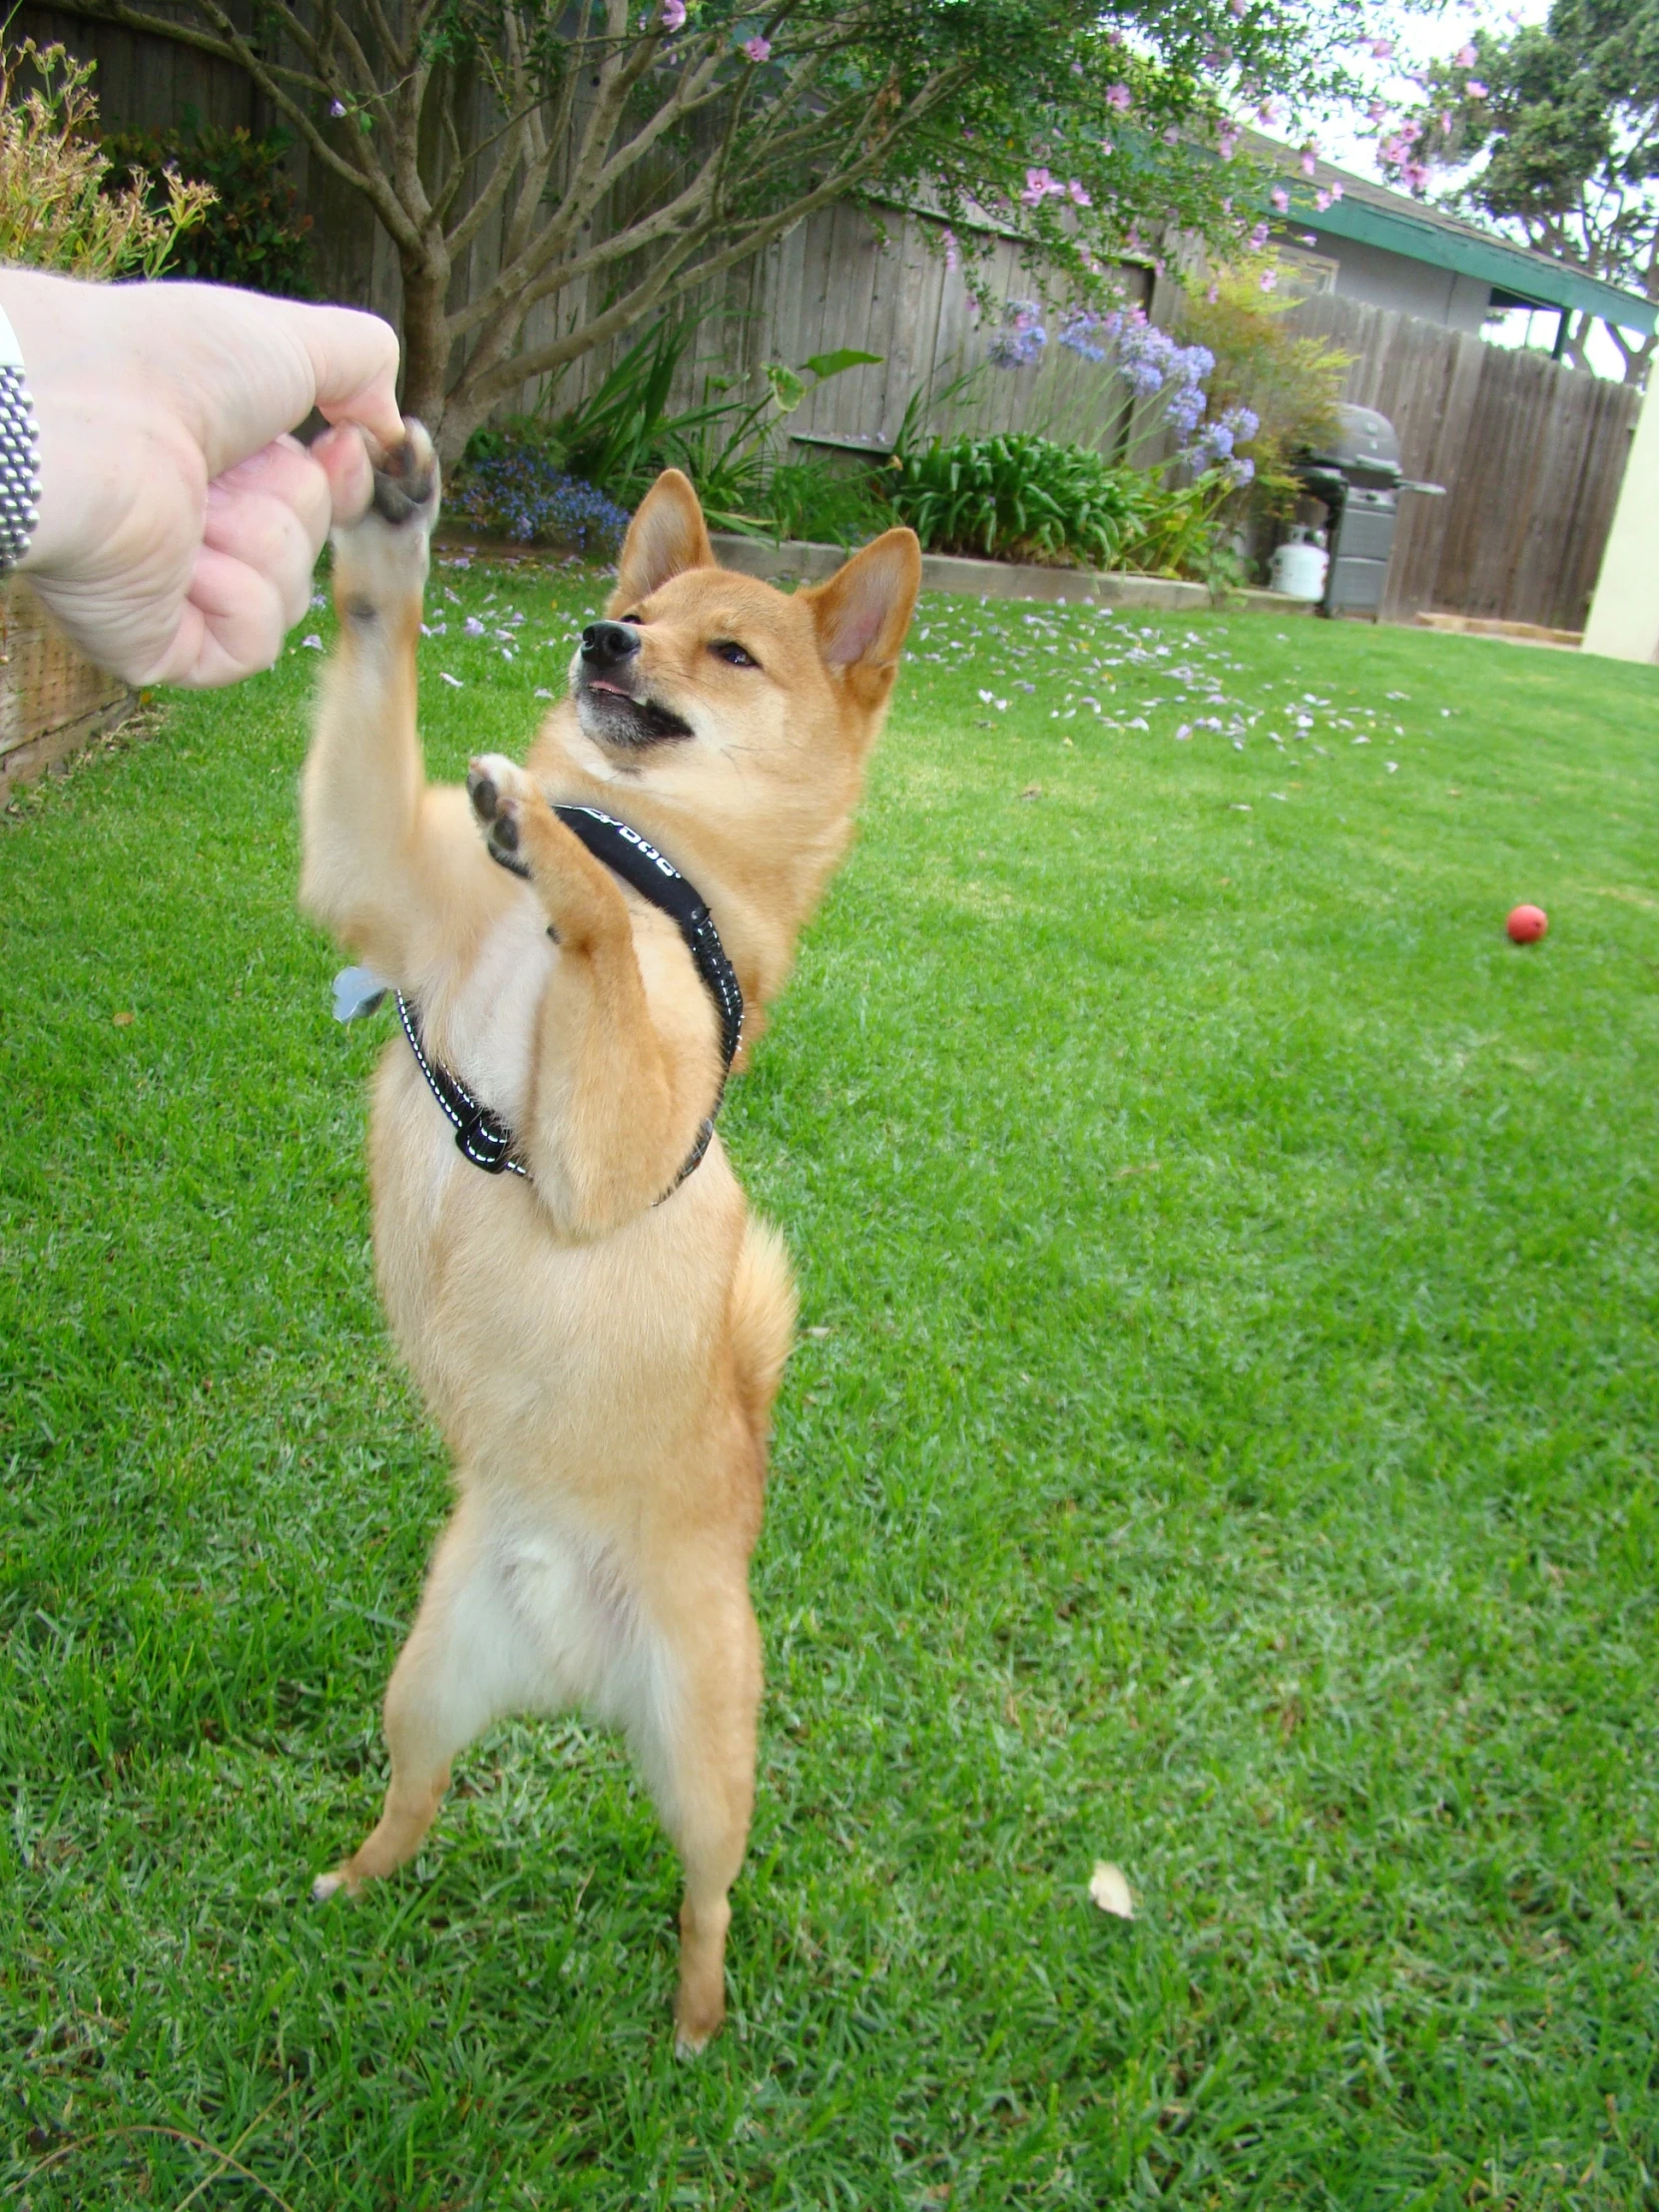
(1299, 568)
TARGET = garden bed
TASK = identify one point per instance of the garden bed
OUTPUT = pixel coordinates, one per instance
(802, 562)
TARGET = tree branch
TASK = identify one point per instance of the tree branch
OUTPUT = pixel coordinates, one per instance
(273, 79)
(671, 278)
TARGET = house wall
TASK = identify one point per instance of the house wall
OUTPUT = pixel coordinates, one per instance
(1383, 280)
(1624, 615)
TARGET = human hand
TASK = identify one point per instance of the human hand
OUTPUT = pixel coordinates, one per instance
(179, 522)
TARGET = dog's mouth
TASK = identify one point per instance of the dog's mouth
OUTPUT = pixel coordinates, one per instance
(620, 716)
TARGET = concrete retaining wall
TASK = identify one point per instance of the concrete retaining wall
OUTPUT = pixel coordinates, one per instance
(801, 562)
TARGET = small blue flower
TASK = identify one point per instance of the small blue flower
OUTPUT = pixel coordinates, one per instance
(522, 494)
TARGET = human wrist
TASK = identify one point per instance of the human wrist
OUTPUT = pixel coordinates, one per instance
(71, 394)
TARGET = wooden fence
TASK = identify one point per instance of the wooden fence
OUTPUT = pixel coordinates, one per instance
(1531, 452)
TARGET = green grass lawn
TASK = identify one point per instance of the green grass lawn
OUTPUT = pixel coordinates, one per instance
(1223, 1443)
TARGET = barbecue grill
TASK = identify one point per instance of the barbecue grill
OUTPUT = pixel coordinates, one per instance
(1358, 475)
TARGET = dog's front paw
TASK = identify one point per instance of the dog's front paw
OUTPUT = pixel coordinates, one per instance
(406, 480)
(500, 792)
(381, 559)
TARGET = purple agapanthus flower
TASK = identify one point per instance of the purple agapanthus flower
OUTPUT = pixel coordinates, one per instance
(1081, 333)
(1020, 341)
(1217, 441)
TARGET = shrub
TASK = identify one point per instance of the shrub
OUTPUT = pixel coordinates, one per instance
(1020, 497)
(1025, 498)
(514, 489)
(57, 209)
(814, 498)
(1291, 384)
(253, 234)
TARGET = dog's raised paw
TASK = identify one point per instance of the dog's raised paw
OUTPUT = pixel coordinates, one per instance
(498, 789)
(484, 785)
(406, 478)
(329, 1884)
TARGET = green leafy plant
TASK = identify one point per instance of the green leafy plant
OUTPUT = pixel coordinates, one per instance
(57, 208)
(1025, 498)
(1019, 497)
(626, 431)
(818, 498)
(253, 231)
(1184, 526)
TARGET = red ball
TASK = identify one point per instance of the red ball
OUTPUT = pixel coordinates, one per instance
(1527, 924)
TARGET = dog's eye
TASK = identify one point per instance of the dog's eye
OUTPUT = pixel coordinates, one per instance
(636, 617)
(728, 650)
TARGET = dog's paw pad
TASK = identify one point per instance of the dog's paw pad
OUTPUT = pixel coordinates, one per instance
(498, 789)
(489, 778)
(503, 839)
(406, 478)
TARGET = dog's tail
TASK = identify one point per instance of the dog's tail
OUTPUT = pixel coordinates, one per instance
(763, 1307)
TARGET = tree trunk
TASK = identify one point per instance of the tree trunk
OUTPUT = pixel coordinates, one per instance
(461, 419)
(426, 349)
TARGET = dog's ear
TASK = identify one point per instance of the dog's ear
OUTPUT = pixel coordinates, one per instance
(864, 611)
(666, 534)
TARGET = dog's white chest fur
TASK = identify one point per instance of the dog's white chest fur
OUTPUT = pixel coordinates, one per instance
(490, 1023)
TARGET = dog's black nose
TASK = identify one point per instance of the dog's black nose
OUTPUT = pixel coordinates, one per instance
(604, 644)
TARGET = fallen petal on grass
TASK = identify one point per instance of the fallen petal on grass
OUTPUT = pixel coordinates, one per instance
(1109, 1889)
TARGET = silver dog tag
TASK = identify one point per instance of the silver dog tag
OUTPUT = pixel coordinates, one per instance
(358, 991)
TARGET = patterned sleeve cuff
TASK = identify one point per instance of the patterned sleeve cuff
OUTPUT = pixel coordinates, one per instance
(19, 456)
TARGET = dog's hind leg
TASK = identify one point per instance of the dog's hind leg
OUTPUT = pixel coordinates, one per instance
(696, 1751)
(467, 1662)
(390, 866)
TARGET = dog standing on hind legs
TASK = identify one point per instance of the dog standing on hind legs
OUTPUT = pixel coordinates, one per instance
(600, 1331)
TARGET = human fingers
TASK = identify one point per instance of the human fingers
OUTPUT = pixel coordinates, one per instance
(266, 536)
(287, 471)
(231, 624)
(343, 457)
(354, 360)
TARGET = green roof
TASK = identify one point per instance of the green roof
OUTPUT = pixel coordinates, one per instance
(1401, 225)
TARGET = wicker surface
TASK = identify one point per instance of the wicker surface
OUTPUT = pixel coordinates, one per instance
(51, 699)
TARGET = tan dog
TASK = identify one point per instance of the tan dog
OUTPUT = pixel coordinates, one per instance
(600, 1357)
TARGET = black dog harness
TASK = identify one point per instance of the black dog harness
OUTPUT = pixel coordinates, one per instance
(482, 1135)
